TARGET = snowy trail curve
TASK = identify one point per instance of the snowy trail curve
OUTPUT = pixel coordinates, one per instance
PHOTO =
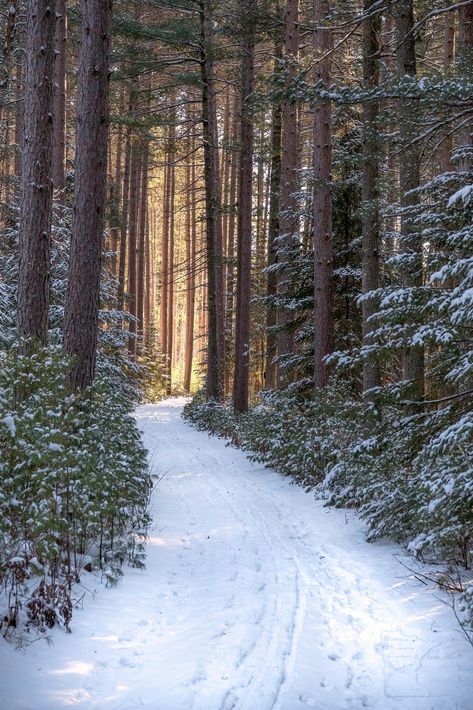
(255, 597)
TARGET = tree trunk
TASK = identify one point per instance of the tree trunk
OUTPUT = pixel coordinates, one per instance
(141, 261)
(409, 179)
(165, 254)
(273, 232)
(465, 62)
(446, 147)
(8, 37)
(370, 193)
(288, 207)
(170, 283)
(245, 191)
(124, 221)
(83, 293)
(59, 97)
(135, 184)
(36, 193)
(115, 190)
(191, 239)
(230, 249)
(216, 323)
(149, 285)
(323, 258)
(19, 115)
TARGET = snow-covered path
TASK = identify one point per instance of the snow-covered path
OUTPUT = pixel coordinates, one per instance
(254, 597)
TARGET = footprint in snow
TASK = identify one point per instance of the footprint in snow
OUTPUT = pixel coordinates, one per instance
(230, 602)
(199, 676)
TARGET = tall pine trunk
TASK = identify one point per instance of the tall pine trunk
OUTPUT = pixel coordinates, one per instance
(36, 185)
(465, 62)
(288, 207)
(135, 185)
(59, 97)
(124, 221)
(141, 261)
(165, 252)
(409, 179)
(170, 282)
(230, 248)
(273, 232)
(370, 190)
(83, 293)
(191, 239)
(323, 257)
(216, 322)
(245, 192)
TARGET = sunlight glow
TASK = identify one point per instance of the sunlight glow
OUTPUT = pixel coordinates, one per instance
(76, 668)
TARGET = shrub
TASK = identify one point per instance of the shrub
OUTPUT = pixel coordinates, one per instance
(75, 486)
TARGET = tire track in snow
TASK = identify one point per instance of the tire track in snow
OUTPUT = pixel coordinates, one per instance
(283, 650)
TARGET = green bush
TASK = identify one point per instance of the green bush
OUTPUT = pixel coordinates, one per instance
(74, 486)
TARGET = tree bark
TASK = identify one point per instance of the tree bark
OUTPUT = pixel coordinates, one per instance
(170, 282)
(273, 232)
(323, 257)
(149, 285)
(141, 261)
(36, 192)
(230, 248)
(465, 63)
(191, 244)
(59, 97)
(245, 192)
(135, 184)
(409, 179)
(288, 207)
(8, 38)
(19, 115)
(216, 322)
(370, 191)
(165, 254)
(115, 190)
(124, 221)
(446, 147)
(83, 293)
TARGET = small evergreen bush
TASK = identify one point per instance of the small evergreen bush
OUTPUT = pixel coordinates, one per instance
(74, 487)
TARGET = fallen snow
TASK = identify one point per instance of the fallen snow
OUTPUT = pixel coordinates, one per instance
(10, 424)
(464, 194)
(255, 597)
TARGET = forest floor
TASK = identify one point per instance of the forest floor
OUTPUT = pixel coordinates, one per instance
(254, 597)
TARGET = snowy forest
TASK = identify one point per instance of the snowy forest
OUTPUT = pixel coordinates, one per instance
(236, 318)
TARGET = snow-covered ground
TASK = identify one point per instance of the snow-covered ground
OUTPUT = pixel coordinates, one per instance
(254, 597)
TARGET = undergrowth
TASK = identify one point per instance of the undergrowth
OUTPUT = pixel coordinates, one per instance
(75, 488)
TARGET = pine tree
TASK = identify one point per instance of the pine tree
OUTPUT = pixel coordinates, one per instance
(36, 185)
(83, 294)
(242, 338)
